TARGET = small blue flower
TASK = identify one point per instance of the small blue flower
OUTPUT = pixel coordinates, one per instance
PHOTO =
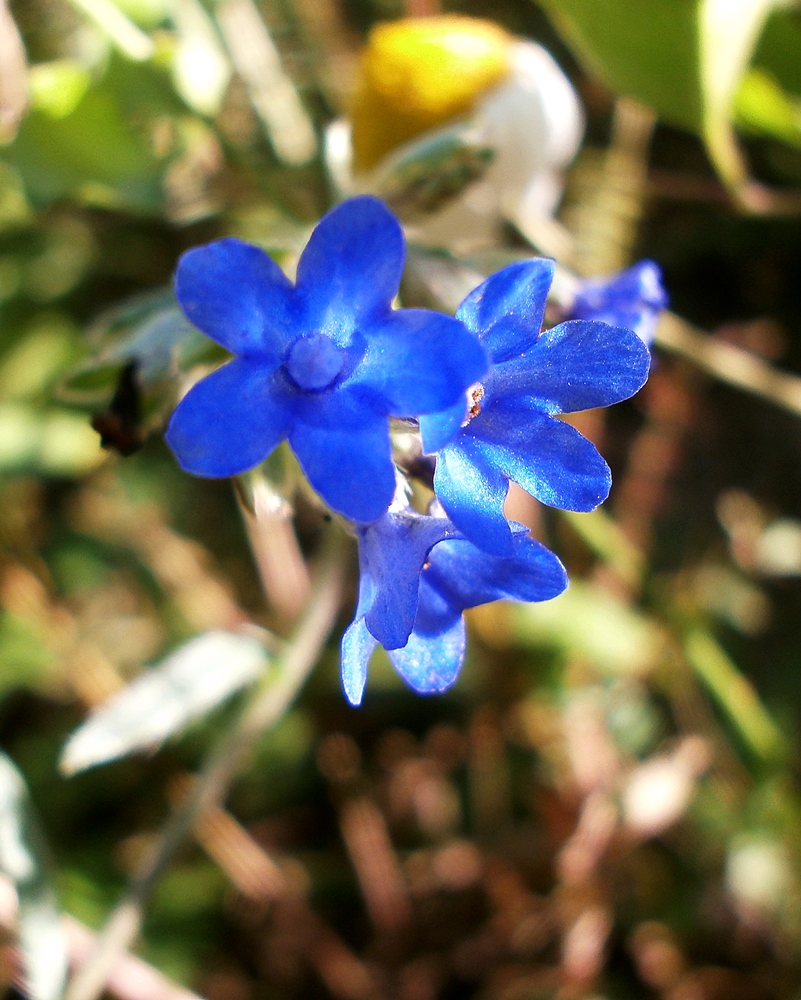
(323, 362)
(634, 299)
(392, 553)
(418, 575)
(512, 431)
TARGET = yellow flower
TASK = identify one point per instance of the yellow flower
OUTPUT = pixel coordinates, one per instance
(419, 73)
(461, 127)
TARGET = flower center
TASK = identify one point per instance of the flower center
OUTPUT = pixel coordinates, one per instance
(314, 362)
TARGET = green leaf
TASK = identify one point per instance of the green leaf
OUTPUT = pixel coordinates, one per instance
(769, 99)
(729, 30)
(734, 695)
(91, 153)
(26, 657)
(764, 107)
(91, 139)
(150, 333)
(433, 171)
(778, 50)
(684, 58)
(57, 88)
(147, 329)
(46, 440)
(613, 637)
(645, 50)
(23, 860)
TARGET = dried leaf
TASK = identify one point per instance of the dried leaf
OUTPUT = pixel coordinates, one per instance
(41, 935)
(163, 700)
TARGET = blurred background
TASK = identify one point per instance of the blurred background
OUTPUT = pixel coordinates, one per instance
(606, 805)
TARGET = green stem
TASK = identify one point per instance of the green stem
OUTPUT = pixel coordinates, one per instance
(734, 695)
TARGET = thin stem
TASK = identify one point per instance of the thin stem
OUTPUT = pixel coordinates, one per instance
(729, 363)
(270, 527)
(272, 92)
(269, 703)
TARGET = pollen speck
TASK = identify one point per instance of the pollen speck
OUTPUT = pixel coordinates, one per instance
(474, 396)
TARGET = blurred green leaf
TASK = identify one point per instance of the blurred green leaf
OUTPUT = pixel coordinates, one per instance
(65, 255)
(41, 936)
(25, 657)
(612, 637)
(114, 23)
(94, 138)
(91, 153)
(146, 13)
(778, 48)
(646, 50)
(762, 106)
(56, 88)
(14, 208)
(54, 442)
(38, 356)
(734, 695)
(684, 58)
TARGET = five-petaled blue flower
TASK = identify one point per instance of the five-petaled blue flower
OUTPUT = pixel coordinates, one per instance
(322, 363)
(512, 431)
(418, 574)
(634, 298)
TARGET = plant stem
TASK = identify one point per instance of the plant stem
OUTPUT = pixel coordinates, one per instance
(267, 706)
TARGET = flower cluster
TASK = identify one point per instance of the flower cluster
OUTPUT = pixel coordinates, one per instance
(325, 362)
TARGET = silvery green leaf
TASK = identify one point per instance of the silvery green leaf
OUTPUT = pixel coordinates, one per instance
(149, 332)
(41, 935)
(164, 699)
(427, 174)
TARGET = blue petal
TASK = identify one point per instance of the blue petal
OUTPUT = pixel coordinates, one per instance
(357, 648)
(229, 422)
(634, 298)
(466, 577)
(472, 491)
(544, 455)
(507, 309)
(238, 296)
(459, 576)
(432, 658)
(438, 429)
(348, 464)
(575, 366)
(391, 555)
(351, 268)
(420, 361)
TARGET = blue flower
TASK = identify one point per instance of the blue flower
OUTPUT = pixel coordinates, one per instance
(418, 575)
(323, 362)
(634, 298)
(512, 431)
